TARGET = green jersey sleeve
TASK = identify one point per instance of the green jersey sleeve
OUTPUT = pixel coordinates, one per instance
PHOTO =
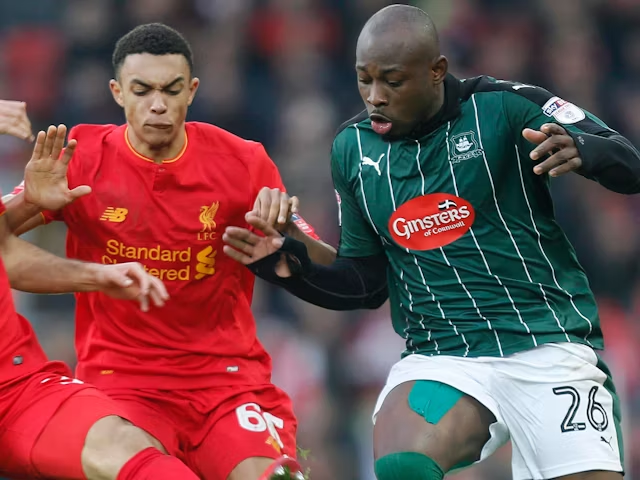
(607, 157)
(525, 111)
(357, 237)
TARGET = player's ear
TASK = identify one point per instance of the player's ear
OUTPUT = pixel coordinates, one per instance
(116, 91)
(439, 69)
(193, 87)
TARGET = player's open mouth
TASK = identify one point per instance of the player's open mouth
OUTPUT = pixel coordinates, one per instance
(380, 124)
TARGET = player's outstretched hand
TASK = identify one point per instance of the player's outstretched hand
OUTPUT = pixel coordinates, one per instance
(552, 139)
(246, 247)
(129, 281)
(45, 176)
(14, 120)
(275, 207)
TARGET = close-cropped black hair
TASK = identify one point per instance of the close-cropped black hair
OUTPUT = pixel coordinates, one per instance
(152, 38)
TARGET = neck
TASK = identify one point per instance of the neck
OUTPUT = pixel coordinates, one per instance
(437, 105)
(158, 153)
(445, 108)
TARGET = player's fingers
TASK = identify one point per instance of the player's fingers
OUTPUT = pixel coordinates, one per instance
(534, 136)
(156, 299)
(58, 142)
(265, 203)
(49, 140)
(138, 275)
(143, 280)
(555, 160)
(274, 207)
(283, 215)
(158, 292)
(39, 146)
(242, 234)
(80, 191)
(554, 142)
(67, 155)
(261, 225)
(236, 255)
(569, 166)
(159, 287)
(294, 203)
(552, 129)
(238, 244)
(257, 204)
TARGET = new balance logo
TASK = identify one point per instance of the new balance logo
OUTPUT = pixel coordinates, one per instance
(115, 215)
(367, 161)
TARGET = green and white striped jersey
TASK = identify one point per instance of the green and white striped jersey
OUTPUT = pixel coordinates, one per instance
(478, 265)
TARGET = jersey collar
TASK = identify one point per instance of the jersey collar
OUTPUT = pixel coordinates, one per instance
(450, 109)
(142, 157)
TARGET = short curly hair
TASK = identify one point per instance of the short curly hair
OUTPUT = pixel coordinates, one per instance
(153, 38)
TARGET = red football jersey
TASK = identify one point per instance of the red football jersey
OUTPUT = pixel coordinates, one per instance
(20, 352)
(170, 217)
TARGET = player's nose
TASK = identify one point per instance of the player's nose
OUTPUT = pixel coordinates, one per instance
(376, 95)
(158, 105)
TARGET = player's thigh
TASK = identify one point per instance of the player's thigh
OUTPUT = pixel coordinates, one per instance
(46, 437)
(563, 414)
(452, 428)
(255, 427)
(152, 413)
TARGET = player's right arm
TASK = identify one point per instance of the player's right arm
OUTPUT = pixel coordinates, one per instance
(45, 187)
(356, 279)
(31, 269)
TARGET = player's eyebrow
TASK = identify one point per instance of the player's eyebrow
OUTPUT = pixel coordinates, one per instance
(137, 81)
(384, 71)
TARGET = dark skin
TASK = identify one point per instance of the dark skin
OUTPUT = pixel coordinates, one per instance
(400, 79)
(398, 85)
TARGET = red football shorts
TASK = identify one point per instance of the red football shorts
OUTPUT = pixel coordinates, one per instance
(213, 430)
(44, 420)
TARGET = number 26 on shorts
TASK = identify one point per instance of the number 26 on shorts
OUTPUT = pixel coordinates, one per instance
(252, 418)
(596, 413)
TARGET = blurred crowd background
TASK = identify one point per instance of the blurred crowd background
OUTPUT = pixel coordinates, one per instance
(281, 72)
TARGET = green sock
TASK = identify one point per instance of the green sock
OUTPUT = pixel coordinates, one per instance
(407, 466)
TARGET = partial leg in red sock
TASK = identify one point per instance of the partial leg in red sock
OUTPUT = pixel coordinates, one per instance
(152, 464)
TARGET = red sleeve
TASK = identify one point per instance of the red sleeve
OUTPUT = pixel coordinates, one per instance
(264, 173)
(3, 209)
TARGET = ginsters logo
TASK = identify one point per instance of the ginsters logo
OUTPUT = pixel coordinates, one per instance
(431, 221)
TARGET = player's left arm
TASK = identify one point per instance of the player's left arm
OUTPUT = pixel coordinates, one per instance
(275, 206)
(564, 138)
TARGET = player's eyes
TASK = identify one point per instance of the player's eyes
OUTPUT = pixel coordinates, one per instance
(140, 93)
(174, 92)
(364, 81)
(395, 84)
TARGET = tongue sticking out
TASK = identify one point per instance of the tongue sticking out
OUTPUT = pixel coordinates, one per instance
(381, 128)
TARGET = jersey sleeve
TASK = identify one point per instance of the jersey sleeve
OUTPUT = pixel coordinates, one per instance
(607, 157)
(266, 174)
(357, 237)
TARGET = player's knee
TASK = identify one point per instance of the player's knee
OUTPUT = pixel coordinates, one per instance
(403, 465)
(434, 419)
(110, 444)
